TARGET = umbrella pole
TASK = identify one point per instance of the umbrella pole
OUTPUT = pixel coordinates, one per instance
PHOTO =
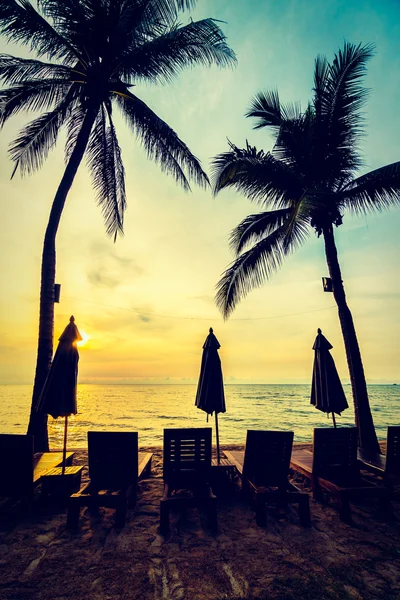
(334, 420)
(217, 434)
(64, 459)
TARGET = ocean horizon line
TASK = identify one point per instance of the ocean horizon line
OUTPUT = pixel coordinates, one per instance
(194, 383)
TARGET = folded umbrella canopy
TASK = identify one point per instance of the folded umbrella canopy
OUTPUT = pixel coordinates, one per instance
(326, 392)
(210, 395)
(58, 396)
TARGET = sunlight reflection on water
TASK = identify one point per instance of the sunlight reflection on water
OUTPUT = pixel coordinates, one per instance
(149, 408)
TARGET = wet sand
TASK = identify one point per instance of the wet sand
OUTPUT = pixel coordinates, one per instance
(40, 560)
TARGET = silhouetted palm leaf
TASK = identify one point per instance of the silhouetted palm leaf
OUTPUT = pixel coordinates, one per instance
(199, 42)
(261, 177)
(105, 163)
(377, 190)
(21, 23)
(256, 227)
(32, 95)
(160, 141)
(15, 70)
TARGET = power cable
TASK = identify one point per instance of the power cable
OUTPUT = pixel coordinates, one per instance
(150, 314)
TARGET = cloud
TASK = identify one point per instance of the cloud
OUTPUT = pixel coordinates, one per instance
(204, 298)
(109, 269)
(144, 318)
(99, 278)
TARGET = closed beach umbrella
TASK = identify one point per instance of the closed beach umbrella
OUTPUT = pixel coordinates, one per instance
(326, 392)
(58, 396)
(210, 395)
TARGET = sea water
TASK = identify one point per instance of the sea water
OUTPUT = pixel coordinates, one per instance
(149, 409)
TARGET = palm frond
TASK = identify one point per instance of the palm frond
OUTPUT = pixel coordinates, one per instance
(256, 227)
(250, 271)
(284, 231)
(161, 59)
(321, 73)
(344, 95)
(114, 213)
(21, 23)
(261, 177)
(32, 95)
(85, 25)
(73, 126)
(160, 142)
(105, 165)
(14, 70)
(30, 149)
(298, 223)
(270, 112)
(145, 14)
(377, 190)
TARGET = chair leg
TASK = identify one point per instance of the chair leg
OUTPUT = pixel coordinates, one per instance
(120, 511)
(304, 510)
(164, 517)
(316, 491)
(132, 496)
(261, 513)
(282, 499)
(74, 507)
(212, 515)
(245, 491)
(343, 504)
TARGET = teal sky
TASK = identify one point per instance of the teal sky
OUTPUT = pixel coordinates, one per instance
(146, 302)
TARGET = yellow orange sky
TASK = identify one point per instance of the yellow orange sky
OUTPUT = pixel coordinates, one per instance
(147, 301)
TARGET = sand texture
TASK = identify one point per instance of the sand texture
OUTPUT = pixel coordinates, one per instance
(40, 560)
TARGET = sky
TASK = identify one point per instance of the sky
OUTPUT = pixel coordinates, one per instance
(146, 302)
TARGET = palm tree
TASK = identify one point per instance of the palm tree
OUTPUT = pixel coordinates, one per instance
(308, 181)
(96, 50)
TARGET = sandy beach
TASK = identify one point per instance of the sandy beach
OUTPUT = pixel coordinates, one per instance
(40, 560)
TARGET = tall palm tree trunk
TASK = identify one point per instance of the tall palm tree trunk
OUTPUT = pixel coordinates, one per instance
(366, 431)
(38, 420)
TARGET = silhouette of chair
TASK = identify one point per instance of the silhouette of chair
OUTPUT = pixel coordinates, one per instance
(333, 467)
(115, 465)
(20, 469)
(386, 466)
(187, 466)
(264, 470)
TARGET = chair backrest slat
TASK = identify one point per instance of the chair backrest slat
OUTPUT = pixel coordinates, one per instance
(187, 450)
(335, 452)
(267, 457)
(393, 450)
(16, 464)
(113, 459)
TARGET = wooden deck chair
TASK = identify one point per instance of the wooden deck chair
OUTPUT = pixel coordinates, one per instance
(264, 469)
(20, 469)
(115, 466)
(333, 467)
(187, 466)
(386, 466)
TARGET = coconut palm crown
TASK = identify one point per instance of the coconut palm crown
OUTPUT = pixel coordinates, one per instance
(307, 182)
(88, 57)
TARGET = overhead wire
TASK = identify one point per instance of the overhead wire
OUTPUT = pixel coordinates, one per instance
(156, 315)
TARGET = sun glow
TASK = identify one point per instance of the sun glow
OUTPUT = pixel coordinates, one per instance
(84, 340)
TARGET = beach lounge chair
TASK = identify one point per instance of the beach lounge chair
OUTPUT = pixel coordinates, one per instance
(386, 466)
(333, 467)
(264, 469)
(187, 466)
(20, 469)
(115, 465)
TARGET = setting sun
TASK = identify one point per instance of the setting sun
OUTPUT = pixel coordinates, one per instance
(84, 340)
